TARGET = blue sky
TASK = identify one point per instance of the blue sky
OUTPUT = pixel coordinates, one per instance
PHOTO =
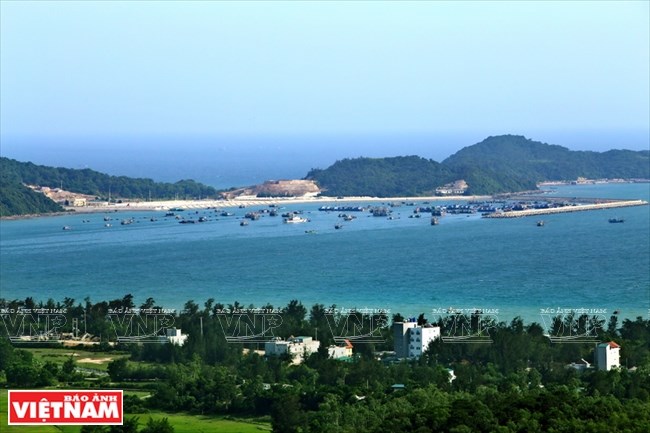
(569, 73)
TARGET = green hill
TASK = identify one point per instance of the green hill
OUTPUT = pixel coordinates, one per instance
(515, 163)
(506, 163)
(16, 199)
(382, 177)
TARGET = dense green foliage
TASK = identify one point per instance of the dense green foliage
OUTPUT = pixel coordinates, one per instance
(519, 383)
(382, 177)
(86, 181)
(506, 163)
(510, 163)
(17, 199)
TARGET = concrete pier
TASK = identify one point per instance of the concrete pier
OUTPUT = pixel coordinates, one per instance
(564, 209)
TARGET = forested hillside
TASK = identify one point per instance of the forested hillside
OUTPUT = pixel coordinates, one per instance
(506, 163)
(509, 163)
(382, 177)
(16, 199)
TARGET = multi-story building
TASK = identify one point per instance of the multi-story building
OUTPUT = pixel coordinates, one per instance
(412, 340)
(607, 356)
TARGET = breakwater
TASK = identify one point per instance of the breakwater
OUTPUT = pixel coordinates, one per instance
(565, 209)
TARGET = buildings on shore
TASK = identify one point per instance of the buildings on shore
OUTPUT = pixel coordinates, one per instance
(298, 347)
(301, 347)
(412, 340)
(606, 358)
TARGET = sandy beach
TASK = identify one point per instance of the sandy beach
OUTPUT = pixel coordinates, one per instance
(249, 201)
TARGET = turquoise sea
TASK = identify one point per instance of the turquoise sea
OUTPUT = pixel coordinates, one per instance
(577, 260)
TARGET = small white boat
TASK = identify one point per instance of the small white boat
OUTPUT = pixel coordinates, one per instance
(295, 219)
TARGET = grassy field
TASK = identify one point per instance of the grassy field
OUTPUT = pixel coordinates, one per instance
(183, 423)
(93, 360)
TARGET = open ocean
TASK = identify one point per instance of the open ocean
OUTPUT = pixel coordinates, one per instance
(576, 261)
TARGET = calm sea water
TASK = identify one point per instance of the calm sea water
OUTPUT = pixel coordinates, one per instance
(577, 260)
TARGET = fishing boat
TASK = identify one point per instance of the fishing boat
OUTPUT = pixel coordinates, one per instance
(540, 223)
(434, 221)
(295, 219)
(616, 220)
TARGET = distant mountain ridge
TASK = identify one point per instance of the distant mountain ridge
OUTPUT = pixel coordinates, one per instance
(505, 163)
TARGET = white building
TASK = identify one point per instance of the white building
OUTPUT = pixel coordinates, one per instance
(411, 340)
(337, 352)
(419, 339)
(174, 336)
(297, 347)
(607, 356)
(401, 338)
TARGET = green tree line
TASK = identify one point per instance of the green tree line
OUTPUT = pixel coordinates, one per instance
(518, 383)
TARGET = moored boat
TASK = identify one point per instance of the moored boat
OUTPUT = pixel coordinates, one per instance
(295, 219)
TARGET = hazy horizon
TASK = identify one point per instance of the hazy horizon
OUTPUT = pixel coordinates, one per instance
(225, 162)
(231, 93)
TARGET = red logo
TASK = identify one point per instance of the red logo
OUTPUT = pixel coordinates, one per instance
(65, 407)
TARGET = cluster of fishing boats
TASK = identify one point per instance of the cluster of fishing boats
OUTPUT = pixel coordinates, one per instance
(348, 214)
